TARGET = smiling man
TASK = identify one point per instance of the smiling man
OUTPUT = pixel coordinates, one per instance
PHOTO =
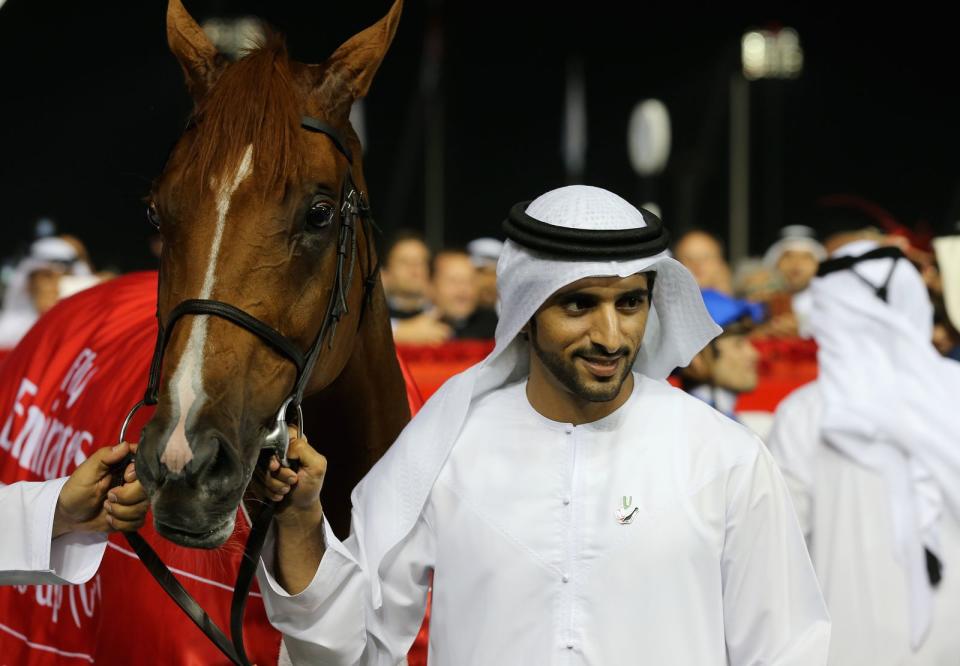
(570, 506)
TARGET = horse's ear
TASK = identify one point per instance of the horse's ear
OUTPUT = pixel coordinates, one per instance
(197, 56)
(347, 74)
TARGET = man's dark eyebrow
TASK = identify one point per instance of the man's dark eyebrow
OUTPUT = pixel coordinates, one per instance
(575, 296)
(570, 296)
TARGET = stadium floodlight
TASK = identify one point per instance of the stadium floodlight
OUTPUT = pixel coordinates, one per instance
(771, 54)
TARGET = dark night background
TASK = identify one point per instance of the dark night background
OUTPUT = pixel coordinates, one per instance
(92, 100)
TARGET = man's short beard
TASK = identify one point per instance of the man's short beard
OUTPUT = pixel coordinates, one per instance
(566, 373)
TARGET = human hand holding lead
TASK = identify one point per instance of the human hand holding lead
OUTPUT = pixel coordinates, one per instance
(87, 503)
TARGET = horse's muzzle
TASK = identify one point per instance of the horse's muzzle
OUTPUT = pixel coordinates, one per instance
(196, 505)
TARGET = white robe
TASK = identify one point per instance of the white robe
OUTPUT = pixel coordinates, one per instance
(844, 510)
(28, 555)
(531, 565)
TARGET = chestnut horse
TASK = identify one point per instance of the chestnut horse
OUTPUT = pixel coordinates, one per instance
(252, 206)
(262, 209)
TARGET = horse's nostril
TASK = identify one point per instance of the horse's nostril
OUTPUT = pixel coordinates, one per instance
(150, 471)
(213, 459)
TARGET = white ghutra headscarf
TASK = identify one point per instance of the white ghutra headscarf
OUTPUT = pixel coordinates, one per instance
(678, 327)
(890, 401)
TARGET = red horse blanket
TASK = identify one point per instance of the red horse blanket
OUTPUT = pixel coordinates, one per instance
(64, 391)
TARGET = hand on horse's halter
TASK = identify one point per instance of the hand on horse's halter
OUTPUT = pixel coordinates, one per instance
(300, 488)
(88, 504)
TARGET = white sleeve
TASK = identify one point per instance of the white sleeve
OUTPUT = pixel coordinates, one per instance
(333, 622)
(774, 613)
(28, 553)
(791, 440)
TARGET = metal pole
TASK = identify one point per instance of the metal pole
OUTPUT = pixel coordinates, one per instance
(574, 121)
(739, 167)
(773, 169)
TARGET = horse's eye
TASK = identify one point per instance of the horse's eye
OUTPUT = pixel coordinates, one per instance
(320, 214)
(153, 215)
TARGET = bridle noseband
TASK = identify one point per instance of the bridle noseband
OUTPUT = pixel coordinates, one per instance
(354, 212)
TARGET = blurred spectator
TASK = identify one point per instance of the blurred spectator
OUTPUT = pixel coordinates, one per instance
(425, 328)
(795, 256)
(83, 277)
(945, 337)
(702, 253)
(80, 251)
(947, 249)
(758, 283)
(54, 269)
(727, 366)
(946, 296)
(455, 291)
(484, 252)
(43, 287)
(792, 262)
(405, 272)
(754, 281)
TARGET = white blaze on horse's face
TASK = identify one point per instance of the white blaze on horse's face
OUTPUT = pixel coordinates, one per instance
(187, 381)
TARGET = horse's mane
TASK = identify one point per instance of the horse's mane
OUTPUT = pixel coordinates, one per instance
(254, 101)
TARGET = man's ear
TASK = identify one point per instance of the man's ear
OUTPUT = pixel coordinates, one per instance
(525, 330)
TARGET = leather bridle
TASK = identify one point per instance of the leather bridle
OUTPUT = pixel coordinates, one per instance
(353, 212)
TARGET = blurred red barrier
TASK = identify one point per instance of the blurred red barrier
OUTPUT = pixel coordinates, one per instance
(785, 364)
(432, 365)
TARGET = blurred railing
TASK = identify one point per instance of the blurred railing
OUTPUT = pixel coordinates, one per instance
(785, 364)
(432, 365)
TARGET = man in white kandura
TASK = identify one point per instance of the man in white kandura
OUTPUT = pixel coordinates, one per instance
(871, 453)
(55, 532)
(571, 506)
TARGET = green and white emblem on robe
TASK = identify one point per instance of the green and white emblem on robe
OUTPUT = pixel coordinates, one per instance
(627, 511)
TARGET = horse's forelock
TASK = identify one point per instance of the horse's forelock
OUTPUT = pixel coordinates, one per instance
(254, 102)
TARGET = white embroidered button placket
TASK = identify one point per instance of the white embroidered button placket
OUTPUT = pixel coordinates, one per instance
(567, 594)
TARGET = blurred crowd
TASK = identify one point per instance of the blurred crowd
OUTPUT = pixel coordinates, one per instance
(761, 302)
(779, 279)
(436, 296)
(52, 268)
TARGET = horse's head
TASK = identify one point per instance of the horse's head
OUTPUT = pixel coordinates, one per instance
(251, 209)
